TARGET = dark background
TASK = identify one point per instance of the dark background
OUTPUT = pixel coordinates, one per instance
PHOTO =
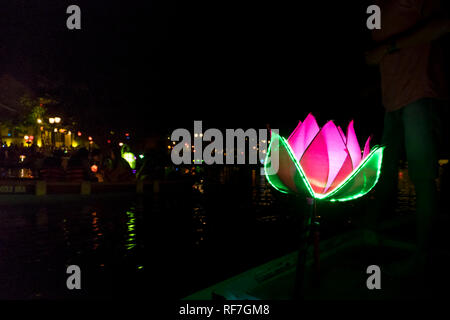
(159, 65)
(247, 62)
(155, 66)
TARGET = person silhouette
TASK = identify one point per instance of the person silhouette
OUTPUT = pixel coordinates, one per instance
(410, 58)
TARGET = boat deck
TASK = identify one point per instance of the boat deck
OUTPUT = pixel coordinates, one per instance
(343, 271)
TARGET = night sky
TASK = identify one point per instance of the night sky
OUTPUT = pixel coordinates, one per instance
(155, 66)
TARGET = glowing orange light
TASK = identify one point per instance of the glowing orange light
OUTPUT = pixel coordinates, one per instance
(94, 168)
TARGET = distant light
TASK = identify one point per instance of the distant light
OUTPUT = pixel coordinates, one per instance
(120, 144)
(130, 158)
(26, 137)
(55, 130)
(94, 168)
(57, 119)
(51, 120)
(91, 142)
(127, 134)
(79, 133)
(108, 141)
(90, 138)
(31, 137)
(39, 120)
(141, 156)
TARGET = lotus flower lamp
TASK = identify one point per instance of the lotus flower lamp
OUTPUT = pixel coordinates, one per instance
(323, 163)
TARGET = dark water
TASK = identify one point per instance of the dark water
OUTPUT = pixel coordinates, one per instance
(37, 243)
(194, 237)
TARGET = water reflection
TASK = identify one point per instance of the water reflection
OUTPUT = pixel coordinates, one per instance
(262, 192)
(96, 231)
(200, 225)
(37, 243)
(131, 239)
(406, 196)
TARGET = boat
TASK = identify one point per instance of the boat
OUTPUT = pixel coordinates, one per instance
(275, 280)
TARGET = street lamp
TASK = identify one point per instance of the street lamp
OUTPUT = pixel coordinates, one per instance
(51, 120)
(57, 119)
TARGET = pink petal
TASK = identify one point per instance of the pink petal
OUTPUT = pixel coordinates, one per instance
(366, 149)
(353, 145)
(345, 171)
(324, 158)
(342, 134)
(294, 137)
(302, 136)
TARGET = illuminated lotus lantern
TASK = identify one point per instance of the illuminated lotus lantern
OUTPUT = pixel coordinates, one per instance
(323, 163)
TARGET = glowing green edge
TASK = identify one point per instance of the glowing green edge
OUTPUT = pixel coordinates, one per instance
(340, 186)
(297, 165)
(376, 149)
(267, 175)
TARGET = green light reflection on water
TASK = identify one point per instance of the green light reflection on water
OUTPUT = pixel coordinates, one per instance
(131, 240)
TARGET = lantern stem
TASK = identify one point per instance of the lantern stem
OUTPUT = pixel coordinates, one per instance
(316, 242)
(303, 248)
